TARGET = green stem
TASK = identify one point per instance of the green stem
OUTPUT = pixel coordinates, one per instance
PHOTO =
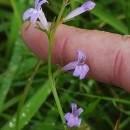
(24, 94)
(53, 87)
(58, 19)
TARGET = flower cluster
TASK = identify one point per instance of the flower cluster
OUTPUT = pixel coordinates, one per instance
(73, 117)
(37, 13)
(81, 69)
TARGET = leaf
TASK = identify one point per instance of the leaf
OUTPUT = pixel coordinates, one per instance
(30, 108)
(9, 76)
(109, 19)
(91, 107)
(4, 2)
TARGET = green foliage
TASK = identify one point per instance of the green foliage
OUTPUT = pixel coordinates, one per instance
(30, 108)
(102, 103)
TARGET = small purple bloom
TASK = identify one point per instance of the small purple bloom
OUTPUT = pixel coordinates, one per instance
(85, 7)
(72, 118)
(36, 13)
(81, 69)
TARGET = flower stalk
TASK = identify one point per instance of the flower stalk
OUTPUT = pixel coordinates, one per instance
(51, 36)
(53, 87)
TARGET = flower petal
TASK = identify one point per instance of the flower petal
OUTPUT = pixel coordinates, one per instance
(71, 121)
(73, 107)
(34, 16)
(36, 3)
(72, 118)
(74, 13)
(67, 116)
(77, 71)
(43, 20)
(84, 70)
(81, 57)
(70, 66)
(78, 112)
(28, 13)
(41, 3)
(85, 7)
(77, 121)
(88, 5)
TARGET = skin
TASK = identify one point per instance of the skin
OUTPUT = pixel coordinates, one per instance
(108, 54)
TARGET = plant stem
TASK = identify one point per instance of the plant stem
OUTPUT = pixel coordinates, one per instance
(24, 94)
(51, 35)
(58, 19)
(53, 87)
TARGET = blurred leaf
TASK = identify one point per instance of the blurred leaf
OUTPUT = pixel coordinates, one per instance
(30, 108)
(27, 63)
(10, 73)
(18, 10)
(120, 107)
(5, 2)
(3, 26)
(91, 107)
(16, 23)
(109, 19)
(12, 36)
(126, 8)
(11, 102)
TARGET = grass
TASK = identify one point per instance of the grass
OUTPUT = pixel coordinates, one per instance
(102, 103)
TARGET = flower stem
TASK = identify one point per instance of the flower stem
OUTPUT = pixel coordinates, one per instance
(51, 40)
(53, 87)
(59, 18)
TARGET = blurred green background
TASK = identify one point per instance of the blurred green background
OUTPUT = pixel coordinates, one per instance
(102, 103)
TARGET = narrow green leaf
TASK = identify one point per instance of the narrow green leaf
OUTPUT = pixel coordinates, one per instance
(30, 108)
(10, 73)
(109, 19)
(11, 102)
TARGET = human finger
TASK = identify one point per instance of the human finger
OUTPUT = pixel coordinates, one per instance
(107, 53)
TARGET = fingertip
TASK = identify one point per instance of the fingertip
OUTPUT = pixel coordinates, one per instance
(35, 40)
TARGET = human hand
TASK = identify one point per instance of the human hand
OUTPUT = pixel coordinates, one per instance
(108, 54)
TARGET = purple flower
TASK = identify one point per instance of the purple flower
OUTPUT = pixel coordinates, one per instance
(72, 118)
(85, 7)
(36, 13)
(81, 69)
